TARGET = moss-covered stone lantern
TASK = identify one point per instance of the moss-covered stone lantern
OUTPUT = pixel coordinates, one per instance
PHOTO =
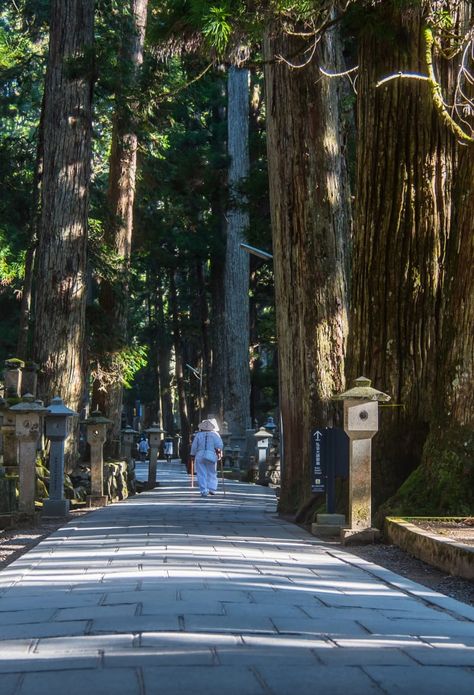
(28, 420)
(96, 430)
(155, 434)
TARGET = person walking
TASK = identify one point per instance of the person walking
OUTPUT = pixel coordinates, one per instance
(206, 449)
(143, 448)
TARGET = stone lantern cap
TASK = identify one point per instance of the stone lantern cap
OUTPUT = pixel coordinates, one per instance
(14, 363)
(129, 430)
(96, 418)
(57, 407)
(262, 434)
(363, 391)
(155, 429)
(28, 405)
(270, 424)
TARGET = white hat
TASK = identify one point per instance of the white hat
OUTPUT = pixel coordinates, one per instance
(206, 426)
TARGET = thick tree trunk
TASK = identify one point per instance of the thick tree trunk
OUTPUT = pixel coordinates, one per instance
(119, 229)
(444, 482)
(309, 196)
(61, 258)
(402, 223)
(236, 293)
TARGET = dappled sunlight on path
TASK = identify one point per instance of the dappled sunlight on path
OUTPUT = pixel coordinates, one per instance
(169, 592)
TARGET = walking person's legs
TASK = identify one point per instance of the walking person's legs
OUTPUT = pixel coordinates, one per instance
(201, 475)
(212, 478)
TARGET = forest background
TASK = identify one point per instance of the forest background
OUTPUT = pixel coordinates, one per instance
(141, 141)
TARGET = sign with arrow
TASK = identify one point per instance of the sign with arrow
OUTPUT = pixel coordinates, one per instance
(317, 476)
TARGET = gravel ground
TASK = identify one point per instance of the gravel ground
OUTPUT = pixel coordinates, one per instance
(14, 543)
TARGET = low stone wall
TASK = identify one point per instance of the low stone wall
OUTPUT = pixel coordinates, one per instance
(438, 551)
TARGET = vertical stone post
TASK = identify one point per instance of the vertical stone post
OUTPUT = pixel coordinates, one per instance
(128, 437)
(27, 429)
(29, 378)
(361, 423)
(12, 377)
(57, 420)
(96, 436)
(263, 442)
(155, 434)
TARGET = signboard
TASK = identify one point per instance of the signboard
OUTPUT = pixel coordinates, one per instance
(329, 459)
(318, 477)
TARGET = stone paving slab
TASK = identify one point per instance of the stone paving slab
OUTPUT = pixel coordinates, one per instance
(169, 593)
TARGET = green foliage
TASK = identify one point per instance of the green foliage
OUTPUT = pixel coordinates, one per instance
(443, 484)
(216, 26)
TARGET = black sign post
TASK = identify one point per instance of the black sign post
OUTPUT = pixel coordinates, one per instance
(317, 475)
(330, 459)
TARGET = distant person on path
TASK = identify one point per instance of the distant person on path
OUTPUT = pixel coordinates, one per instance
(206, 449)
(143, 448)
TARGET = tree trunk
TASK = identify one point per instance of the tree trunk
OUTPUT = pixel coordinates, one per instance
(236, 293)
(402, 223)
(23, 345)
(179, 371)
(62, 238)
(119, 229)
(164, 341)
(309, 197)
(444, 482)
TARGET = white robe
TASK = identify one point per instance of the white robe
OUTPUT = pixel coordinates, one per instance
(206, 472)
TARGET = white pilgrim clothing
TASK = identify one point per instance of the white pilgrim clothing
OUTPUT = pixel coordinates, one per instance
(206, 473)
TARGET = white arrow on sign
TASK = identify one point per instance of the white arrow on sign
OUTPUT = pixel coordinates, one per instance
(318, 435)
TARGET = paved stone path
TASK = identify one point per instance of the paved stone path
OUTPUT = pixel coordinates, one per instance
(171, 593)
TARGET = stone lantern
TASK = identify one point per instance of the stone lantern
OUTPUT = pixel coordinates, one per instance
(29, 378)
(270, 425)
(128, 437)
(12, 376)
(28, 416)
(361, 423)
(96, 426)
(155, 434)
(263, 442)
(57, 420)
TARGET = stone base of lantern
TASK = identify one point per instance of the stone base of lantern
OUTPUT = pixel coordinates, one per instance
(328, 525)
(55, 508)
(365, 536)
(97, 500)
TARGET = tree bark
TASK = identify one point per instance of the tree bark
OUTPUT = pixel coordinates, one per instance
(24, 328)
(406, 159)
(119, 229)
(444, 481)
(236, 299)
(310, 212)
(61, 261)
(179, 371)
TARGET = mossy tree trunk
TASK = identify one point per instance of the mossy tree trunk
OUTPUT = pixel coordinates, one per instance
(310, 209)
(405, 233)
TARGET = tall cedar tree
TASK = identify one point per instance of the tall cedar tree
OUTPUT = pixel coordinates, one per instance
(405, 221)
(309, 198)
(119, 226)
(62, 230)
